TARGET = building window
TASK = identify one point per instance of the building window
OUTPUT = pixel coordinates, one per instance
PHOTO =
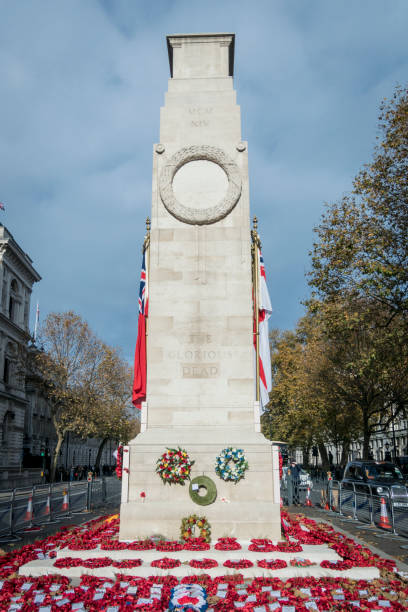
(13, 301)
(6, 371)
(6, 427)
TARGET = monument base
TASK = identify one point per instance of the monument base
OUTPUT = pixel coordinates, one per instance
(247, 509)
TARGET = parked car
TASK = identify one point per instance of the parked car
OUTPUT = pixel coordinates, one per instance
(305, 478)
(380, 478)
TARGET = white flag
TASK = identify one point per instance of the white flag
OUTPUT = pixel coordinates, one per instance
(265, 311)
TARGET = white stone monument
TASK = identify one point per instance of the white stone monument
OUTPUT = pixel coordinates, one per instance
(200, 362)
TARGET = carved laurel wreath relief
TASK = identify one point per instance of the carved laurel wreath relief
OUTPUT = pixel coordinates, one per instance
(196, 216)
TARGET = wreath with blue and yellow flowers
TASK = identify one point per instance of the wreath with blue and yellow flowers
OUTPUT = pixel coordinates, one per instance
(231, 464)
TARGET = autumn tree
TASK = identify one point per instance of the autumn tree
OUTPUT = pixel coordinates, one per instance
(364, 362)
(362, 246)
(113, 397)
(77, 372)
(303, 409)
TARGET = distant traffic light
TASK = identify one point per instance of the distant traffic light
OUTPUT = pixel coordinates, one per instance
(42, 451)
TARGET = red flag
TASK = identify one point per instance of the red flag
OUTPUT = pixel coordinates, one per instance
(139, 379)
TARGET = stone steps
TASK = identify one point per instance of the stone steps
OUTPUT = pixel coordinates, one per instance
(316, 554)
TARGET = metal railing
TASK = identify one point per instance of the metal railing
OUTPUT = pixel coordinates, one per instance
(29, 508)
(357, 502)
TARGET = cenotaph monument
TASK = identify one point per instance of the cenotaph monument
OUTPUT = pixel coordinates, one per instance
(200, 361)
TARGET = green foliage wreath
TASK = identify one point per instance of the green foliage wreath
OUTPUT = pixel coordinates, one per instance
(209, 485)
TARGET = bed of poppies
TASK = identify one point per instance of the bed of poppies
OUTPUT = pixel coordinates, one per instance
(233, 591)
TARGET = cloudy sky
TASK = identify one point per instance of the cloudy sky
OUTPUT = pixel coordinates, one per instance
(81, 84)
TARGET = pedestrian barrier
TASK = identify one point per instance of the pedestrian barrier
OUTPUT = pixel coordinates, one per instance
(28, 509)
(360, 503)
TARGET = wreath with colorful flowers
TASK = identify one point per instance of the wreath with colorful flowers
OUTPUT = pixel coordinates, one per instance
(190, 522)
(231, 464)
(174, 466)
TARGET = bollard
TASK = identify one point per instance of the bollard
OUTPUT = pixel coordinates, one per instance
(89, 495)
(330, 494)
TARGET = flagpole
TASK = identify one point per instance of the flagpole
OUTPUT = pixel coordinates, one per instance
(255, 280)
(37, 319)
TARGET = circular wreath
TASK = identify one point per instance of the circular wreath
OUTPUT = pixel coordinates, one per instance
(198, 216)
(174, 466)
(231, 464)
(209, 486)
(187, 527)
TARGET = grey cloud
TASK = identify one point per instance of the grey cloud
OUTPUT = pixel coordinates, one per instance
(81, 85)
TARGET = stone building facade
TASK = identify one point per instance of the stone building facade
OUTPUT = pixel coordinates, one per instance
(26, 426)
(17, 276)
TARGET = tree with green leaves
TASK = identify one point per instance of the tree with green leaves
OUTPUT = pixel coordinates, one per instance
(362, 246)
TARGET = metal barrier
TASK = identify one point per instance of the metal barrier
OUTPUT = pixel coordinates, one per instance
(28, 508)
(386, 510)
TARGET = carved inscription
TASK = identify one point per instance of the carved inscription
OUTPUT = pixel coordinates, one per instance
(199, 338)
(199, 361)
(199, 355)
(200, 110)
(200, 123)
(200, 370)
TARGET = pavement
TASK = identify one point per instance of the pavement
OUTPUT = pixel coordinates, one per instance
(378, 541)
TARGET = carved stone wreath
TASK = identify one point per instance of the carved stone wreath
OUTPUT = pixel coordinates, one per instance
(196, 216)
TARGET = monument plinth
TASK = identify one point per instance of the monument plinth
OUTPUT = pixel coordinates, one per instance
(200, 370)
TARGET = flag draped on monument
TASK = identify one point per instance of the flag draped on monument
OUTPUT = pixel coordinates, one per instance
(264, 313)
(139, 379)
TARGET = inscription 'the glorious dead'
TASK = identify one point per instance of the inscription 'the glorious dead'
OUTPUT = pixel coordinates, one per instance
(200, 370)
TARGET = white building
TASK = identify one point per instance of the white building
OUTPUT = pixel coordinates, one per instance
(17, 276)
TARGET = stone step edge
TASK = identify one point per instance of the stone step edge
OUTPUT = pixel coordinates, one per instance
(42, 567)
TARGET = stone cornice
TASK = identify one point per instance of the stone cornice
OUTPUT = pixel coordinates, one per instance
(15, 398)
(5, 323)
(20, 260)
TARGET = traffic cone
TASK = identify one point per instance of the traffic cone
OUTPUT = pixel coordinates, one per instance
(29, 511)
(47, 510)
(65, 504)
(308, 500)
(29, 516)
(384, 520)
